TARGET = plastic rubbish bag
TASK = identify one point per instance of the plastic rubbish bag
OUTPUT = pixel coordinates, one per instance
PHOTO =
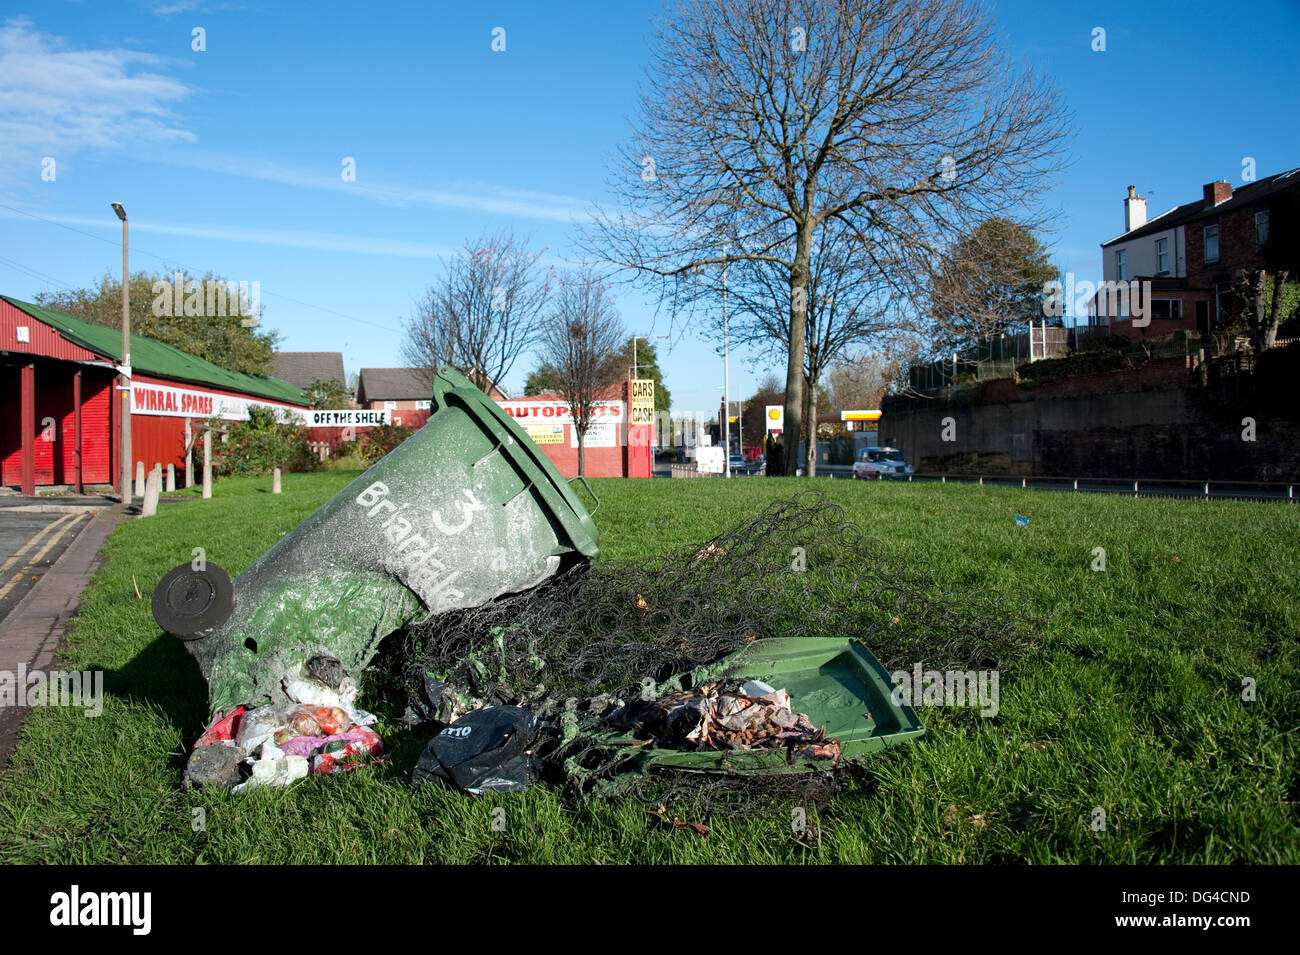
(483, 751)
(275, 769)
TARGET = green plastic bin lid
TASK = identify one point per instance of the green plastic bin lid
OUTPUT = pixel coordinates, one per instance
(836, 681)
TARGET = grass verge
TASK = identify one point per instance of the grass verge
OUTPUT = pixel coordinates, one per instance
(1133, 704)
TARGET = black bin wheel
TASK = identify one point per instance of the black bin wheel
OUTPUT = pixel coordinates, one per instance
(189, 603)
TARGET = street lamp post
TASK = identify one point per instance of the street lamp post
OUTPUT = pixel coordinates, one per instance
(635, 339)
(740, 430)
(726, 366)
(124, 370)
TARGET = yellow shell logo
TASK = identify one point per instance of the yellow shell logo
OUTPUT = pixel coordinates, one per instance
(774, 414)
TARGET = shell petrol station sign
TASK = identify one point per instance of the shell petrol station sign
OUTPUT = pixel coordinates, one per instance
(775, 419)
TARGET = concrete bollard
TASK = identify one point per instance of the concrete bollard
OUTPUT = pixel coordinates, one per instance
(171, 478)
(152, 488)
(139, 479)
(275, 481)
(207, 463)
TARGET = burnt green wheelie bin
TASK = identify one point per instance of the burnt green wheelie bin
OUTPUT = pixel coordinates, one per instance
(465, 510)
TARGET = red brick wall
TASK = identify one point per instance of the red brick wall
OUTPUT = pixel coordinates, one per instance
(1237, 248)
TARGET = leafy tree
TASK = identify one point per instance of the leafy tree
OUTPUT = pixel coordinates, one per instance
(373, 443)
(328, 394)
(207, 320)
(542, 380)
(1269, 299)
(647, 366)
(989, 283)
(1265, 302)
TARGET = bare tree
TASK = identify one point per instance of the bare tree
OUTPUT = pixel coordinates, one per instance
(580, 339)
(765, 121)
(483, 313)
(849, 303)
(859, 382)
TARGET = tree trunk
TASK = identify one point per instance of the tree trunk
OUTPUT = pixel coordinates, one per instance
(794, 365)
(1261, 309)
(1275, 315)
(582, 463)
(810, 428)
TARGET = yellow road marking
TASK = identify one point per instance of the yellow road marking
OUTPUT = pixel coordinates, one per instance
(68, 523)
(36, 538)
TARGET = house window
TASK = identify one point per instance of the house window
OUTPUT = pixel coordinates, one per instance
(1261, 227)
(390, 405)
(1212, 243)
(1162, 256)
(1121, 265)
(1166, 308)
(422, 406)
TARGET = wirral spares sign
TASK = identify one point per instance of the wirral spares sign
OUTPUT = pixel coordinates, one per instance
(167, 401)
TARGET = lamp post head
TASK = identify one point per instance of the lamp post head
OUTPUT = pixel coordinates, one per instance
(121, 213)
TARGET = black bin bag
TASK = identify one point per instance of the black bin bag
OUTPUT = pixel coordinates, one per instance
(483, 751)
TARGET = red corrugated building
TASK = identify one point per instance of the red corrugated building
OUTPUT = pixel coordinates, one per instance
(60, 410)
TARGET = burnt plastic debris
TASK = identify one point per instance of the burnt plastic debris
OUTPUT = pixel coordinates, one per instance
(483, 751)
(464, 511)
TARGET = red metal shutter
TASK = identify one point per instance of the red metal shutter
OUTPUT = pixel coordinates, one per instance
(96, 429)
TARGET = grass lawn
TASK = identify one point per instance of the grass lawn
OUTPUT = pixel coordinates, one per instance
(1132, 702)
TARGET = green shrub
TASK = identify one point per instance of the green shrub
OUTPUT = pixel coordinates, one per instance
(261, 443)
(373, 444)
(345, 462)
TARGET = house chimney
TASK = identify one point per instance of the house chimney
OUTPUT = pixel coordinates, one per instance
(1135, 210)
(1216, 192)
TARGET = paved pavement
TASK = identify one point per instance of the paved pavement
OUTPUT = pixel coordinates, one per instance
(33, 627)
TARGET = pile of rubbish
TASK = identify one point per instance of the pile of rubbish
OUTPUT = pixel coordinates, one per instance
(319, 731)
(467, 564)
(752, 715)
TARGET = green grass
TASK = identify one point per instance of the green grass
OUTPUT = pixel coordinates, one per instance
(1132, 702)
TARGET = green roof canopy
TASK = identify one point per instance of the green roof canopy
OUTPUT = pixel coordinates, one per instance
(156, 358)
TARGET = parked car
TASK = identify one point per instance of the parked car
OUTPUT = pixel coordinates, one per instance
(881, 463)
(738, 463)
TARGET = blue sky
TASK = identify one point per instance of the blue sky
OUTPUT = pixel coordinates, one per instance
(229, 159)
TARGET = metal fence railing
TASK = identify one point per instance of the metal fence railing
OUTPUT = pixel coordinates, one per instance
(1135, 487)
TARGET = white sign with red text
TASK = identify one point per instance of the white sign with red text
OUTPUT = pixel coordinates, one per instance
(172, 402)
(533, 411)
